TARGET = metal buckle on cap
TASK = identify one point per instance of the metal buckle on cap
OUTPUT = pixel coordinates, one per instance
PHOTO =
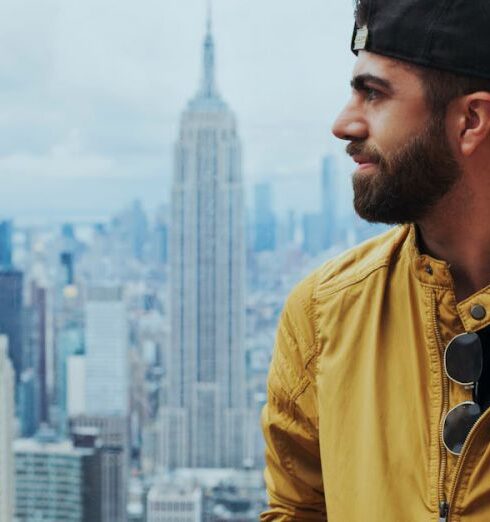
(361, 38)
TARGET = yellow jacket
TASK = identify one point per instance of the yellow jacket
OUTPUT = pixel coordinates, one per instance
(357, 392)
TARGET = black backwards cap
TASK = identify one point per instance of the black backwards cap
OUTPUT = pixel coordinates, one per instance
(452, 35)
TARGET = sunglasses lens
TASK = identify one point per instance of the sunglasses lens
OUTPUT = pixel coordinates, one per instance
(464, 358)
(458, 424)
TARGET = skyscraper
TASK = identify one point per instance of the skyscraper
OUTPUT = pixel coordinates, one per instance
(112, 435)
(6, 244)
(33, 394)
(265, 220)
(313, 227)
(66, 260)
(70, 374)
(69, 339)
(7, 490)
(11, 316)
(206, 417)
(107, 393)
(39, 310)
(107, 359)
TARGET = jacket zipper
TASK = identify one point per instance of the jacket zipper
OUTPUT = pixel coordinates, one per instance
(443, 504)
(443, 511)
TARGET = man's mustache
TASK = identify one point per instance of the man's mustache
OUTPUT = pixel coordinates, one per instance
(360, 148)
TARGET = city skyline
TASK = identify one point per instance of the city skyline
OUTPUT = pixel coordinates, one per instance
(97, 118)
(140, 340)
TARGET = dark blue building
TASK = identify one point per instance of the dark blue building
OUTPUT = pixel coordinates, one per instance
(11, 305)
(6, 244)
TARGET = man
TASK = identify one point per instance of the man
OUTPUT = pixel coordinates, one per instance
(379, 383)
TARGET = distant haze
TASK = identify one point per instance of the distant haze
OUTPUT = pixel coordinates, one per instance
(91, 93)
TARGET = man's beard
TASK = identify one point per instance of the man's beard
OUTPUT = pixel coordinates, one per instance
(409, 182)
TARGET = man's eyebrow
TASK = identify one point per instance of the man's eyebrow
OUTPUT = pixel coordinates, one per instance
(359, 82)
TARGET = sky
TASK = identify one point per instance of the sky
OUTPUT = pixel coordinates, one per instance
(91, 94)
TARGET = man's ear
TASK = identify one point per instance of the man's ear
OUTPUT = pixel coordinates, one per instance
(474, 121)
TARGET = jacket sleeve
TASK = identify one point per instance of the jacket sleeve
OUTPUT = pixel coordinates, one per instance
(290, 420)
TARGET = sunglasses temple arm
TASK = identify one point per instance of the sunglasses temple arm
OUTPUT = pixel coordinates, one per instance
(475, 392)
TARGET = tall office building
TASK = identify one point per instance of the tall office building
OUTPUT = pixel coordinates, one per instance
(68, 339)
(40, 311)
(161, 236)
(130, 229)
(70, 374)
(6, 244)
(11, 316)
(206, 417)
(75, 386)
(107, 393)
(33, 398)
(68, 266)
(7, 490)
(112, 435)
(106, 351)
(265, 220)
(313, 226)
(138, 229)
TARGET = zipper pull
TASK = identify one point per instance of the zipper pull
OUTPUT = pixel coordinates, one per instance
(443, 511)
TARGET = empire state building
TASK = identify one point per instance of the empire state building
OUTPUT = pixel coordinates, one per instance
(206, 417)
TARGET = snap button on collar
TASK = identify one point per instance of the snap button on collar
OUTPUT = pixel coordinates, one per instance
(478, 312)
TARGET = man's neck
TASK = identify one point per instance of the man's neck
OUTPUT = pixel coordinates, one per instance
(462, 239)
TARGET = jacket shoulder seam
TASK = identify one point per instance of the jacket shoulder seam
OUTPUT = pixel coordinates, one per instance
(332, 278)
(328, 291)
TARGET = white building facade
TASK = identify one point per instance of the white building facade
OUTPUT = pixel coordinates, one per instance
(204, 423)
(75, 385)
(7, 382)
(171, 504)
(107, 357)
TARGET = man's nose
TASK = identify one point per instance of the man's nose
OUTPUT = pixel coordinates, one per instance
(350, 125)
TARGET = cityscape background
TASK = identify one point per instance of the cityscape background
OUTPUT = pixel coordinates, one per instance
(167, 177)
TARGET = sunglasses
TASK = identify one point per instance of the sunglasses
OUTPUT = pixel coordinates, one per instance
(463, 363)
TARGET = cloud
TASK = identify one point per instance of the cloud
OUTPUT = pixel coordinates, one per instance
(92, 92)
(63, 160)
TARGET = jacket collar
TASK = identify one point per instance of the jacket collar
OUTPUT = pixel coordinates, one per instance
(436, 273)
(427, 269)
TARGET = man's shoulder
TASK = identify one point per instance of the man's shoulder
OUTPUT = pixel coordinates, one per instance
(352, 266)
(300, 313)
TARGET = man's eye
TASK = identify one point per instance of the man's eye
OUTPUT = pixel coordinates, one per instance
(371, 94)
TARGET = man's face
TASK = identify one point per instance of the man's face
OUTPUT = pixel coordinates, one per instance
(404, 161)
